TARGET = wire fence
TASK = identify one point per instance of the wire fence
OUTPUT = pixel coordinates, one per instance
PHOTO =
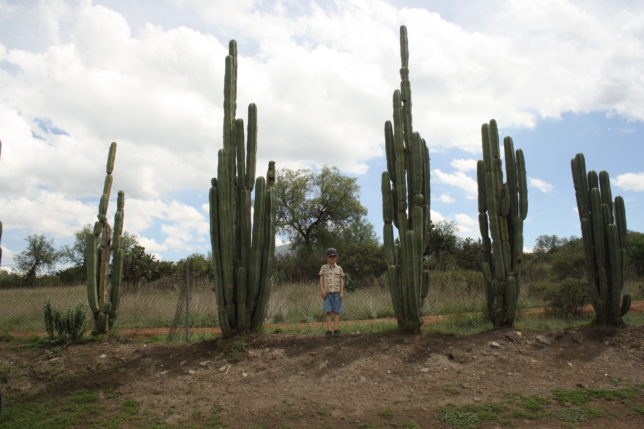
(179, 306)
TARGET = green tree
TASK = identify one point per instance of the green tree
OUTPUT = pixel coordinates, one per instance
(138, 265)
(309, 204)
(547, 244)
(442, 244)
(635, 251)
(40, 254)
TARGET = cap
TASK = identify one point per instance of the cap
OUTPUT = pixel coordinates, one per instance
(331, 252)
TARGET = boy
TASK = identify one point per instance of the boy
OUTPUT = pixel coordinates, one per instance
(332, 287)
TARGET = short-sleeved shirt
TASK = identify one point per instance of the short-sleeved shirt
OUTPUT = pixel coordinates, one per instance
(333, 275)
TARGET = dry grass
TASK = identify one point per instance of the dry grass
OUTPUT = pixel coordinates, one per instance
(155, 305)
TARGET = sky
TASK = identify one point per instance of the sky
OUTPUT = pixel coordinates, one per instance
(559, 76)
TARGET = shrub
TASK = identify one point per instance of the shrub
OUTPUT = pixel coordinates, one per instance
(65, 326)
(566, 298)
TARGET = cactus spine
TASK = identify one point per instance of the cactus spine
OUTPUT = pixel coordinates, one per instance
(502, 209)
(242, 252)
(103, 287)
(603, 229)
(405, 201)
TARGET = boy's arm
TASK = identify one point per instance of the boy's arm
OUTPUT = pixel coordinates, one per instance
(322, 286)
(342, 286)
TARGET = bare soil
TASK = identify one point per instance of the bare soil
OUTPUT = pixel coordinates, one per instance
(355, 381)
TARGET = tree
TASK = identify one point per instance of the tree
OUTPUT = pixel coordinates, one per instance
(138, 265)
(635, 251)
(547, 244)
(76, 253)
(309, 204)
(40, 253)
(442, 243)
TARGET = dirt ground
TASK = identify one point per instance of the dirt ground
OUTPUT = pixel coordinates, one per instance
(355, 381)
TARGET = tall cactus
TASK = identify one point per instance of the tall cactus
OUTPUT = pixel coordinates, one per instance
(603, 229)
(405, 202)
(242, 252)
(0, 220)
(502, 209)
(103, 286)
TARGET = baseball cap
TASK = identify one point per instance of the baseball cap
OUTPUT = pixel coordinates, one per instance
(331, 252)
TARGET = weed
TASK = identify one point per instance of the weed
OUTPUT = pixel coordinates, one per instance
(6, 337)
(237, 348)
(473, 416)
(580, 414)
(215, 421)
(130, 406)
(388, 414)
(4, 375)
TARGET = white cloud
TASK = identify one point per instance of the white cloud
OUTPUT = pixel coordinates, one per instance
(466, 226)
(446, 198)
(631, 181)
(464, 164)
(457, 179)
(541, 185)
(321, 73)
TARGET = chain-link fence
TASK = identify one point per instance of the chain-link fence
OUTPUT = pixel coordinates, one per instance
(181, 306)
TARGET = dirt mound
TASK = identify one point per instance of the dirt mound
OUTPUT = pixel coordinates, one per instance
(303, 381)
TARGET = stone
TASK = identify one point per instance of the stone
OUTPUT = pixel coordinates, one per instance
(543, 340)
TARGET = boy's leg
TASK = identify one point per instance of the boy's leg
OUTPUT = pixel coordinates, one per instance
(328, 321)
(336, 317)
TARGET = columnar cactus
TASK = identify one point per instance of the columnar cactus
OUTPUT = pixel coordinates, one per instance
(405, 201)
(603, 229)
(242, 252)
(103, 286)
(502, 209)
(0, 221)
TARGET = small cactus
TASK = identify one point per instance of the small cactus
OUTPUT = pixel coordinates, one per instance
(502, 209)
(103, 287)
(405, 202)
(603, 230)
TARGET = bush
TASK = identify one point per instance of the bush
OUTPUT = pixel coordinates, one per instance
(537, 289)
(66, 327)
(566, 298)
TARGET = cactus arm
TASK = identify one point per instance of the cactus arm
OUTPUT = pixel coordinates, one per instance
(91, 262)
(251, 151)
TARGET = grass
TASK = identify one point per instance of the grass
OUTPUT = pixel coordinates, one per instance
(570, 406)
(155, 306)
(83, 408)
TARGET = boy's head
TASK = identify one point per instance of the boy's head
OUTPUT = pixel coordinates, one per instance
(331, 254)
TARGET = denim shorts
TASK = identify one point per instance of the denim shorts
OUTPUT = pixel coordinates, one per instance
(333, 303)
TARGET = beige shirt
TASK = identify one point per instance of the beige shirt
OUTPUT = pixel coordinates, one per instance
(332, 275)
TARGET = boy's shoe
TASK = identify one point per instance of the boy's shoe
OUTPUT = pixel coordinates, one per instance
(328, 334)
(336, 333)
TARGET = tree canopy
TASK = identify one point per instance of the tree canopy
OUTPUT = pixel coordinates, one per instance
(312, 204)
(40, 253)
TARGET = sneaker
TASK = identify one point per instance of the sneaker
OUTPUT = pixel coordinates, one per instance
(328, 334)
(336, 333)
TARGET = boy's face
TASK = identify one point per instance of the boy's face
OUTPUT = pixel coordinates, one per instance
(332, 259)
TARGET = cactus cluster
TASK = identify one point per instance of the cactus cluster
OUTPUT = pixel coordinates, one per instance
(242, 251)
(405, 201)
(603, 230)
(103, 286)
(502, 209)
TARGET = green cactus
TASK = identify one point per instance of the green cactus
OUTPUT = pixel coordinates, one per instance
(405, 202)
(603, 229)
(0, 221)
(243, 252)
(502, 209)
(103, 286)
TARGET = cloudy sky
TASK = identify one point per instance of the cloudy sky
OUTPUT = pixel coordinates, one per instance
(559, 76)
